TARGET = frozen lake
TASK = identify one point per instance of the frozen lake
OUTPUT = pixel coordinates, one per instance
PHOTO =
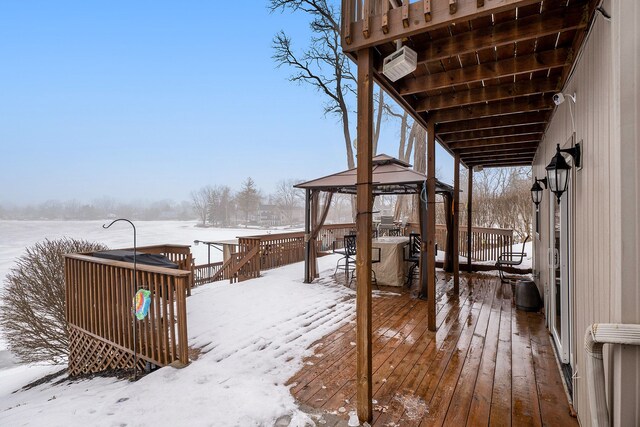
(15, 236)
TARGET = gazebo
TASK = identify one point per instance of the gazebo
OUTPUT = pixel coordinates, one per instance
(389, 176)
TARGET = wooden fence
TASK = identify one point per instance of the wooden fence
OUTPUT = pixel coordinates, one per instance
(99, 301)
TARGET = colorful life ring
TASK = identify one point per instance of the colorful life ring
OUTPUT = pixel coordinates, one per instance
(141, 302)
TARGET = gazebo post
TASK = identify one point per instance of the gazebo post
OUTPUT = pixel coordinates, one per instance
(456, 223)
(364, 197)
(307, 235)
(469, 219)
(431, 224)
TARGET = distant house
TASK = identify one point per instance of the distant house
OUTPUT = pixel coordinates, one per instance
(268, 215)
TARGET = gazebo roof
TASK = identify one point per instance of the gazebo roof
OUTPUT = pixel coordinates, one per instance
(390, 176)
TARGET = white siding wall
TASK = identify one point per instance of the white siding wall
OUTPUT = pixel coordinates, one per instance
(626, 304)
(605, 260)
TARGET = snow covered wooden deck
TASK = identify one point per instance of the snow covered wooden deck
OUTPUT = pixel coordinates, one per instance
(486, 364)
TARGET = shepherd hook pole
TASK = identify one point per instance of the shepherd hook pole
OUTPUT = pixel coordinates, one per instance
(135, 289)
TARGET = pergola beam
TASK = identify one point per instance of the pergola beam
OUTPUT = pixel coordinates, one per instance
(487, 93)
(489, 70)
(492, 133)
(498, 148)
(510, 120)
(519, 105)
(419, 22)
(498, 157)
(490, 142)
(503, 164)
(531, 27)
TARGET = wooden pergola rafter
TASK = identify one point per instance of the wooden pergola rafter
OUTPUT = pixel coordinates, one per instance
(490, 67)
(483, 88)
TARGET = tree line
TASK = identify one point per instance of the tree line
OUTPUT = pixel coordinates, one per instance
(98, 209)
(220, 206)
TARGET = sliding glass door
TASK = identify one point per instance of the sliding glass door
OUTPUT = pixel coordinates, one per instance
(559, 308)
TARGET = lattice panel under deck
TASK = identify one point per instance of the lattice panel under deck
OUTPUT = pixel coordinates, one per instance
(89, 355)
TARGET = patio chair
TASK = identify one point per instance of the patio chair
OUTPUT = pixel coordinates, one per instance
(510, 259)
(386, 224)
(349, 265)
(348, 251)
(412, 255)
(375, 258)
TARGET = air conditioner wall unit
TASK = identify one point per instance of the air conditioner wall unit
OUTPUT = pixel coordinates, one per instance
(400, 63)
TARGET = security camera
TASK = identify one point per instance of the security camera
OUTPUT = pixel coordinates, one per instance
(558, 98)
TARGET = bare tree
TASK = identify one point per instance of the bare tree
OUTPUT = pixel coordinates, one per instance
(200, 200)
(218, 203)
(287, 199)
(33, 312)
(224, 206)
(501, 198)
(323, 65)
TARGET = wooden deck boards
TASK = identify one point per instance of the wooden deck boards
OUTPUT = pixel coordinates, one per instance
(488, 364)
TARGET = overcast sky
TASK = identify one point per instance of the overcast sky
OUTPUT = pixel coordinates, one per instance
(151, 100)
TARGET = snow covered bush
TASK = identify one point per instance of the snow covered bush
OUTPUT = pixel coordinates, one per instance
(32, 314)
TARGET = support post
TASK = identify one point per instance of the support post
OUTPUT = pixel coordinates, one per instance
(422, 263)
(469, 219)
(456, 224)
(307, 235)
(431, 224)
(363, 229)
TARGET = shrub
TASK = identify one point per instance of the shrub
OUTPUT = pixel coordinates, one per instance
(32, 315)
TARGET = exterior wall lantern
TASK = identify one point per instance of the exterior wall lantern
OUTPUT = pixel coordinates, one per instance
(558, 169)
(536, 190)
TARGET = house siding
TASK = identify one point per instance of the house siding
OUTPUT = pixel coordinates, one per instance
(604, 235)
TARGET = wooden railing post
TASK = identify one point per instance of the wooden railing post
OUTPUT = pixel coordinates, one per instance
(456, 223)
(469, 216)
(431, 225)
(183, 341)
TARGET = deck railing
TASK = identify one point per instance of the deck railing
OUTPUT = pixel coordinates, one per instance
(179, 254)
(99, 300)
(486, 243)
(363, 20)
(276, 250)
(203, 273)
(264, 252)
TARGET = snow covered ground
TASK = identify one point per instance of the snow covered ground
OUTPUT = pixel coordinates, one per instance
(15, 236)
(253, 336)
